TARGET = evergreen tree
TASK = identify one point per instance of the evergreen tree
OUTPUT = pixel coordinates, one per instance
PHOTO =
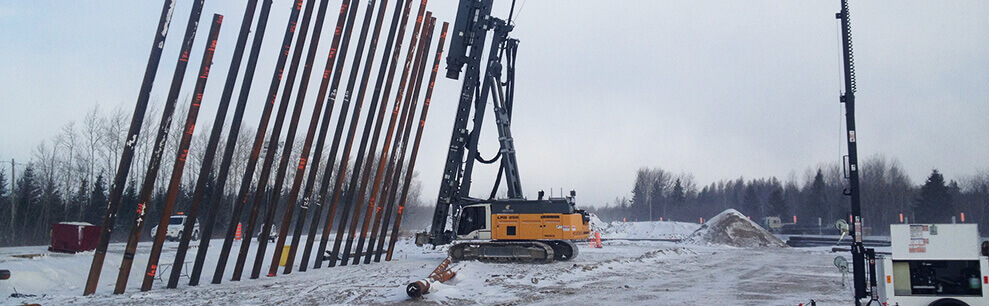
(751, 202)
(6, 223)
(78, 203)
(656, 204)
(640, 194)
(933, 204)
(777, 203)
(816, 205)
(677, 195)
(27, 208)
(51, 211)
(128, 208)
(96, 209)
(152, 213)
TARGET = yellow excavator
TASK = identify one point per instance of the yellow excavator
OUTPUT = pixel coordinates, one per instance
(512, 229)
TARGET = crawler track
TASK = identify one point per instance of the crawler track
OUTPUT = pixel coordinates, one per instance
(514, 251)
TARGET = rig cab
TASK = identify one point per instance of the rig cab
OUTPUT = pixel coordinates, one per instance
(555, 218)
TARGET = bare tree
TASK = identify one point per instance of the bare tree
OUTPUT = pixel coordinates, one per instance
(115, 127)
(68, 140)
(93, 137)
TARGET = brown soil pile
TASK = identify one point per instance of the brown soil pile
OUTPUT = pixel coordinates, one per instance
(732, 228)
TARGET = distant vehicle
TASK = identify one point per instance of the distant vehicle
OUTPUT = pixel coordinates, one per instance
(272, 234)
(176, 224)
(773, 223)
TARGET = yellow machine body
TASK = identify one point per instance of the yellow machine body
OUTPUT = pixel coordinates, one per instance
(539, 227)
(520, 231)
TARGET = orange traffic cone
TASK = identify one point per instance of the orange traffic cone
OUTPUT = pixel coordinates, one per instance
(597, 240)
(238, 237)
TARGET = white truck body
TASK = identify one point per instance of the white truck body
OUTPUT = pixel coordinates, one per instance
(176, 223)
(932, 263)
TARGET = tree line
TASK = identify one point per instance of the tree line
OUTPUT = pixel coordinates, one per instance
(815, 202)
(67, 178)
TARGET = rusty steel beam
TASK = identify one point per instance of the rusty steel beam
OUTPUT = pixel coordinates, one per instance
(245, 186)
(181, 154)
(300, 172)
(216, 195)
(289, 140)
(441, 274)
(378, 122)
(261, 196)
(415, 147)
(161, 138)
(363, 147)
(401, 143)
(320, 142)
(206, 169)
(383, 160)
(335, 146)
(127, 157)
(345, 158)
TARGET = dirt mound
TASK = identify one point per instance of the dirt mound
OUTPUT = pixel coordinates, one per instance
(732, 228)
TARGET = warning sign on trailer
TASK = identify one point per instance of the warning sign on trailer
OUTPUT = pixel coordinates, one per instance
(935, 241)
(919, 238)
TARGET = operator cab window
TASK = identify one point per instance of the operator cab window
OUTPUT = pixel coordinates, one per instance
(472, 219)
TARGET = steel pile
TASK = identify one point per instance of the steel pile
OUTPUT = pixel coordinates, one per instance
(367, 186)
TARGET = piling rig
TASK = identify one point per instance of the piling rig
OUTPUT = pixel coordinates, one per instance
(511, 229)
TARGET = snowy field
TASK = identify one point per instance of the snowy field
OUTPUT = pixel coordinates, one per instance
(634, 272)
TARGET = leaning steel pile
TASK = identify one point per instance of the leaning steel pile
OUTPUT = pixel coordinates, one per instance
(379, 209)
(732, 228)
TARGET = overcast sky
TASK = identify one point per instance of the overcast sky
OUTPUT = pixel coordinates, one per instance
(718, 88)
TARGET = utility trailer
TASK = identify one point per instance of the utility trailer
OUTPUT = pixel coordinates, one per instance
(934, 264)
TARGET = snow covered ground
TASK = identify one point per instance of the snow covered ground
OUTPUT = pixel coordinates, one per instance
(635, 272)
(647, 230)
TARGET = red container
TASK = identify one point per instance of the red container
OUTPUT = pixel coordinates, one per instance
(72, 237)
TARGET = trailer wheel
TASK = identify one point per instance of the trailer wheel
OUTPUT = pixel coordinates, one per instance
(948, 302)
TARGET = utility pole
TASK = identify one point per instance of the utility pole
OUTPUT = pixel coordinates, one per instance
(13, 194)
(650, 210)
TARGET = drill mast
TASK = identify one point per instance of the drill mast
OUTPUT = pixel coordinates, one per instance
(470, 32)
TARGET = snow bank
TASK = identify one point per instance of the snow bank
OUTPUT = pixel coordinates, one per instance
(596, 223)
(646, 230)
(732, 228)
